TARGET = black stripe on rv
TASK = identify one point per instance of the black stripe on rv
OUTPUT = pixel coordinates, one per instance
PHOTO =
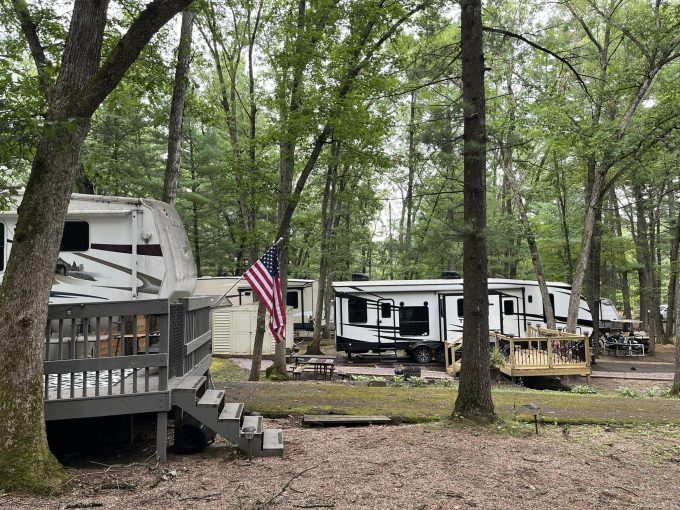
(152, 250)
(60, 294)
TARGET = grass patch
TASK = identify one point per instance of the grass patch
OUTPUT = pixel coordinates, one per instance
(223, 370)
(405, 403)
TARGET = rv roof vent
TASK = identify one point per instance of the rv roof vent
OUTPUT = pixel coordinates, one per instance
(359, 277)
(451, 275)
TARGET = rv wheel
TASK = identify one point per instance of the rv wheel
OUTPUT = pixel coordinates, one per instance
(439, 355)
(422, 354)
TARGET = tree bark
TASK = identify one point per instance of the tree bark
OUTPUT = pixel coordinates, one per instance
(671, 318)
(194, 210)
(179, 92)
(623, 276)
(474, 392)
(407, 215)
(327, 220)
(25, 461)
(675, 389)
(533, 249)
(646, 259)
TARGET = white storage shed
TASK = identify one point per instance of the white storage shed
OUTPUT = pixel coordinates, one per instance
(233, 329)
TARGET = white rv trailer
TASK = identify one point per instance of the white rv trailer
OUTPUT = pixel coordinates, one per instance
(115, 249)
(300, 296)
(419, 315)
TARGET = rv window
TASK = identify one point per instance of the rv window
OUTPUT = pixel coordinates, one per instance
(76, 236)
(461, 309)
(414, 320)
(508, 307)
(385, 310)
(292, 298)
(357, 310)
(2, 246)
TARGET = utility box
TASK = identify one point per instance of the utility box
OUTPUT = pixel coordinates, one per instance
(233, 329)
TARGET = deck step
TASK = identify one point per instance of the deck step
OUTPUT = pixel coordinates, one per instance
(339, 420)
(272, 442)
(211, 398)
(231, 412)
(252, 421)
(190, 383)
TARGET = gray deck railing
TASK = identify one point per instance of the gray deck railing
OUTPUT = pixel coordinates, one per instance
(197, 346)
(111, 358)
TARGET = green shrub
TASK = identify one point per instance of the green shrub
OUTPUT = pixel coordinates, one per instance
(628, 392)
(658, 391)
(417, 382)
(583, 389)
(448, 382)
(497, 359)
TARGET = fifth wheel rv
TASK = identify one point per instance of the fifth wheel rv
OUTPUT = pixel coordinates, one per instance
(115, 249)
(419, 315)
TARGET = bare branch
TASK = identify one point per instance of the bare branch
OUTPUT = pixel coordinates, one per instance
(544, 50)
(30, 31)
(143, 28)
(623, 29)
(583, 24)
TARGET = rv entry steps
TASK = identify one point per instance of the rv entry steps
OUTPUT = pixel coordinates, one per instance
(338, 420)
(208, 406)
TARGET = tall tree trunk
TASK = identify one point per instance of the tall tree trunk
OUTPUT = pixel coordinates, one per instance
(194, 210)
(533, 249)
(407, 214)
(672, 318)
(675, 389)
(25, 461)
(623, 276)
(646, 258)
(564, 224)
(179, 91)
(474, 392)
(327, 220)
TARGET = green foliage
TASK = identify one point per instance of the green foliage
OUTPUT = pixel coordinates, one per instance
(583, 389)
(628, 392)
(496, 358)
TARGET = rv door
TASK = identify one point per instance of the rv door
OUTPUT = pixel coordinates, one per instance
(510, 314)
(386, 322)
(452, 316)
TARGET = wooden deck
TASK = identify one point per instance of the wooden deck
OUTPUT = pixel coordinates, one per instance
(546, 353)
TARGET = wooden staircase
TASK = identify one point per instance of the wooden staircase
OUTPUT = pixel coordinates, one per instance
(191, 394)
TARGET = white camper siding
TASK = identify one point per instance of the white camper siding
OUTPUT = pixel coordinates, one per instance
(119, 249)
(234, 329)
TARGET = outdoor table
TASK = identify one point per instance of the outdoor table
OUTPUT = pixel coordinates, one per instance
(321, 365)
(626, 348)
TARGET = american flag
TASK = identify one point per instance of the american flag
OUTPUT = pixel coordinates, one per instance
(263, 277)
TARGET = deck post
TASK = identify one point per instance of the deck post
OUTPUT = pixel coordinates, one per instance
(161, 436)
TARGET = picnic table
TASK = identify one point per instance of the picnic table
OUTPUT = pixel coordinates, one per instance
(321, 365)
(625, 348)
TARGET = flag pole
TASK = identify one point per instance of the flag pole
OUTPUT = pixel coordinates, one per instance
(227, 292)
(237, 281)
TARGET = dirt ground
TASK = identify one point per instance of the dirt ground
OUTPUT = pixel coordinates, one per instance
(426, 466)
(434, 466)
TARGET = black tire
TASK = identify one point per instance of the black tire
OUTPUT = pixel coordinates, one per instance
(192, 436)
(422, 354)
(439, 355)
